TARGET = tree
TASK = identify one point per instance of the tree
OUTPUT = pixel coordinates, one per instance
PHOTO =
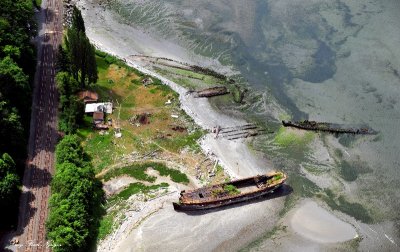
(68, 175)
(9, 191)
(92, 73)
(72, 109)
(7, 173)
(76, 199)
(82, 57)
(12, 51)
(17, 61)
(70, 150)
(77, 20)
(14, 106)
(17, 27)
(66, 84)
(67, 224)
(14, 84)
(71, 115)
(11, 130)
(62, 64)
(17, 55)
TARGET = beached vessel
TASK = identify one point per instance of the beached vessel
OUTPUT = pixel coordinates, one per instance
(230, 192)
(327, 127)
(214, 91)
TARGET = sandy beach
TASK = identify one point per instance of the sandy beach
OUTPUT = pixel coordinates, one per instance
(223, 230)
(157, 226)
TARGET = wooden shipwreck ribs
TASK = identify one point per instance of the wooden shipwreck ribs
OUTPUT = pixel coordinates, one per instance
(241, 131)
(230, 192)
(184, 66)
(327, 127)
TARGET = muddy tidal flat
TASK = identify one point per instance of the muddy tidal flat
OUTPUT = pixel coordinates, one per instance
(329, 61)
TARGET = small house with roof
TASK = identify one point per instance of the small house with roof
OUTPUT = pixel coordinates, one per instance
(105, 107)
(88, 96)
(98, 117)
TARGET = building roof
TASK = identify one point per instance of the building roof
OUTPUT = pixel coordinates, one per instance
(98, 116)
(102, 107)
(88, 96)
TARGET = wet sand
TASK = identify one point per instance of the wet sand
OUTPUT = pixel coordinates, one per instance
(226, 229)
(317, 224)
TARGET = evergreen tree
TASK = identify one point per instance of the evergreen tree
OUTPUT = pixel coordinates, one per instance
(72, 43)
(81, 52)
(71, 109)
(82, 57)
(92, 73)
(62, 63)
(77, 20)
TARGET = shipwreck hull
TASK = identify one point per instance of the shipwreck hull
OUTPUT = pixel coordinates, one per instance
(221, 203)
(228, 193)
(210, 92)
(326, 127)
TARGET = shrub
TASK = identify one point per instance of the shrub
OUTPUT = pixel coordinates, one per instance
(231, 189)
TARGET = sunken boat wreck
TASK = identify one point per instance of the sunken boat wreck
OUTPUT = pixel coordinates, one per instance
(327, 127)
(230, 192)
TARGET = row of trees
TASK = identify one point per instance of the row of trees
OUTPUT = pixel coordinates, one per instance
(75, 203)
(17, 68)
(71, 109)
(76, 66)
(8, 183)
(76, 195)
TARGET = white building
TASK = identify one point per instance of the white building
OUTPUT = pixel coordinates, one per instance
(105, 107)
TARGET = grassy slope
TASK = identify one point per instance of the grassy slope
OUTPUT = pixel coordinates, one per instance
(123, 86)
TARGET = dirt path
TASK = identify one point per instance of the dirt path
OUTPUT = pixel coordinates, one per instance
(33, 209)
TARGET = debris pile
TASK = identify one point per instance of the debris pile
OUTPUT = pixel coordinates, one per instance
(179, 128)
(206, 169)
(140, 119)
(147, 81)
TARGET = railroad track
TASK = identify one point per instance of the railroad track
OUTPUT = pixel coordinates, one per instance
(33, 210)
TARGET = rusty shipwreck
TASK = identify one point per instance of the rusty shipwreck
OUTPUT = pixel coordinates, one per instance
(210, 92)
(327, 127)
(230, 192)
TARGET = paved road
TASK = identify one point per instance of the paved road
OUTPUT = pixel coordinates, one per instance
(43, 135)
